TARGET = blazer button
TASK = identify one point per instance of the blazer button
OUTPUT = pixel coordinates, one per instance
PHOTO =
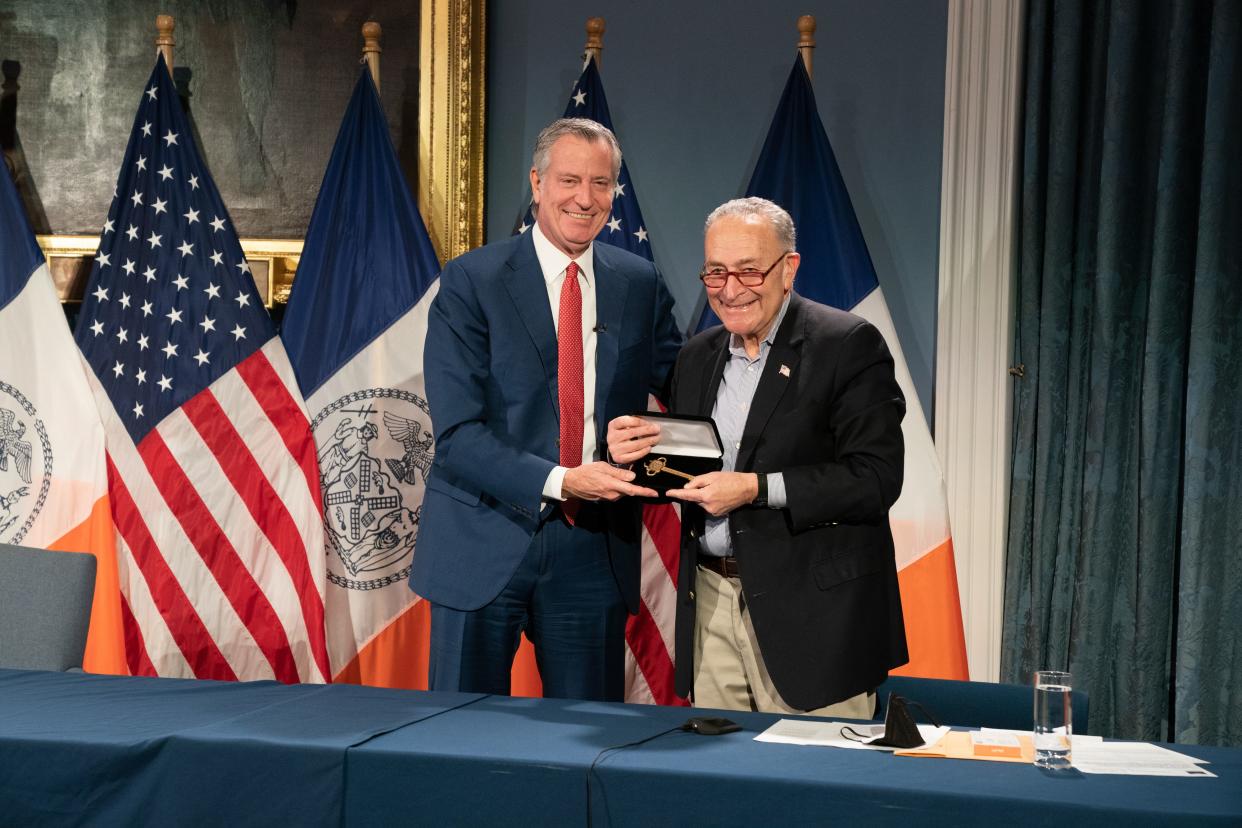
(692, 595)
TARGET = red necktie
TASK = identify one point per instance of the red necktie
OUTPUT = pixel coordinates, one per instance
(569, 369)
(569, 373)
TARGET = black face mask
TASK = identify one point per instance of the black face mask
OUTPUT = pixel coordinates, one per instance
(900, 731)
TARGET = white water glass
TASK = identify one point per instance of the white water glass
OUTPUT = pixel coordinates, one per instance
(1053, 719)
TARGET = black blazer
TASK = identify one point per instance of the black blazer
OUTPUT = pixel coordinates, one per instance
(819, 576)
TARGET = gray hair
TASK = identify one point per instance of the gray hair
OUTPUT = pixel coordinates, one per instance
(584, 128)
(754, 207)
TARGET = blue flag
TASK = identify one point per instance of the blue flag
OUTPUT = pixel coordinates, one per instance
(625, 228)
(354, 330)
(19, 252)
(797, 170)
(367, 258)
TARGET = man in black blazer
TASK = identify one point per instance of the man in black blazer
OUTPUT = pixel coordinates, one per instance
(787, 591)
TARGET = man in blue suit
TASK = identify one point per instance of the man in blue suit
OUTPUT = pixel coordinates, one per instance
(533, 344)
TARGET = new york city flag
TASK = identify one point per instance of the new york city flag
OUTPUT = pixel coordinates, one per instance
(53, 482)
(354, 330)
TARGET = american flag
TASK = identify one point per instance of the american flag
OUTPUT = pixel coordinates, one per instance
(212, 474)
(649, 634)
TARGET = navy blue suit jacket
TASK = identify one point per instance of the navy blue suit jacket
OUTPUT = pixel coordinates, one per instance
(490, 368)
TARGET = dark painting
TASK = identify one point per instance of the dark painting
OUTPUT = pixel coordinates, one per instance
(265, 83)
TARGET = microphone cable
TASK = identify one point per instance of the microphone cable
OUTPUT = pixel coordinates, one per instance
(608, 750)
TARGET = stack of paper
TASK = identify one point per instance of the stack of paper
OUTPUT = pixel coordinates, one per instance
(1134, 759)
(1091, 754)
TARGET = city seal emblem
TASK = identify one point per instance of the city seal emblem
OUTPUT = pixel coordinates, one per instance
(375, 450)
(25, 464)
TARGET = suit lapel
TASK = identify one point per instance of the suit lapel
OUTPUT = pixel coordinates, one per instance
(778, 373)
(529, 292)
(611, 288)
(708, 399)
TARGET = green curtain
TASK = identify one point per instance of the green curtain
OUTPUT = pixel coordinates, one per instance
(1124, 555)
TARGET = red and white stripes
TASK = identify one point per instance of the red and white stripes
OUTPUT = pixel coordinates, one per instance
(650, 651)
(221, 544)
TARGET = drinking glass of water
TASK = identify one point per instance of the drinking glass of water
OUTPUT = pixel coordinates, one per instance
(1053, 719)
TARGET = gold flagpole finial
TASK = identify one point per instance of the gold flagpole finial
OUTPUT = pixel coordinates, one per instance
(371, 49)
(164, 40)
(806, 39)
(595, 39)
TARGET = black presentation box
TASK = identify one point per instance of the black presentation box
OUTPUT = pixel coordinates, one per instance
(689, 446)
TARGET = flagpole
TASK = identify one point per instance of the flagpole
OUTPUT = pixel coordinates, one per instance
(595, 40)
(164, 41)
(371, 49)
(806, 41)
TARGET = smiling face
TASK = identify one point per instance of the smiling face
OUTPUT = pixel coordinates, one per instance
(574, 193)
(748, 243)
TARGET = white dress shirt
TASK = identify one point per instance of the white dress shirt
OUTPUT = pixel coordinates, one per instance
(553, 262)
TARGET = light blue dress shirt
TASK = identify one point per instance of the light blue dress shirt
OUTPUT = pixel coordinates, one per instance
(733, 399)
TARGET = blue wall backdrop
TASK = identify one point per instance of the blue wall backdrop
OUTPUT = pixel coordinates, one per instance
(692, 87)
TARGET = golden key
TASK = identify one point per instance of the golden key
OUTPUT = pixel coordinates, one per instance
(660, 464)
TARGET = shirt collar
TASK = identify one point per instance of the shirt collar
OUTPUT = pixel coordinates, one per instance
(735, 341)
(553, 261)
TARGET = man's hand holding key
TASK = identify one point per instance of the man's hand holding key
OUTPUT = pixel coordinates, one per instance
(631, 438)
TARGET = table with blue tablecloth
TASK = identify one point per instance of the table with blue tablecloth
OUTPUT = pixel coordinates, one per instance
(78, 748)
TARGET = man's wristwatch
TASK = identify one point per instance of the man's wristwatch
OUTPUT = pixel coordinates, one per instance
(761, 499)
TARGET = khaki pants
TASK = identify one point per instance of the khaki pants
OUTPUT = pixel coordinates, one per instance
(728, 668)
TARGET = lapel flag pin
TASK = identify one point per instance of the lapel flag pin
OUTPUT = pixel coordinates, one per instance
(784, 370)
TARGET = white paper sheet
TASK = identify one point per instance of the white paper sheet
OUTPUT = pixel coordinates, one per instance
(828, 734)
(688, 438)
(995, 738)
(1135, 759)
(1076, 739)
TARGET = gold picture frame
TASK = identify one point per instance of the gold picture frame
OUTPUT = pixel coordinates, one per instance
(451, 101)
(273, 264)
